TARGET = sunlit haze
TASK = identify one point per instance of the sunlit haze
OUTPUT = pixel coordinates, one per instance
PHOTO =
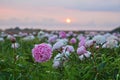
(68, 20)
(60, 14)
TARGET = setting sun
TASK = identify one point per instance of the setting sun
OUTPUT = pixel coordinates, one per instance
(68, 20)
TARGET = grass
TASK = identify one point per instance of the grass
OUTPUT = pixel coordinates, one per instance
(19, 64)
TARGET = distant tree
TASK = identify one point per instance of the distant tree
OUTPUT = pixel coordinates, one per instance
(116, 30)
(17, 28)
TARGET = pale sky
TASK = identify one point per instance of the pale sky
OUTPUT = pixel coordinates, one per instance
(51, 14)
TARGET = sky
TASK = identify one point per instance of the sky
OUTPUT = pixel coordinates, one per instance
(52, 14)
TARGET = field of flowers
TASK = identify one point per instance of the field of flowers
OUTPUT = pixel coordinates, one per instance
(60, 56)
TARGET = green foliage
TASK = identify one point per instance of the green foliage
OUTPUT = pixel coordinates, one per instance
(104, 64)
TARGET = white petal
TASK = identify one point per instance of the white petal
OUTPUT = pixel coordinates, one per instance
(87, 54)
(81, 57)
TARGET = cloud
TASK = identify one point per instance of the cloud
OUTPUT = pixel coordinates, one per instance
(97, 5)
(83, 5)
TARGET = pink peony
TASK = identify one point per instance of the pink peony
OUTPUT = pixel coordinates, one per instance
(70, 34)
(87, 55)
(52, 38)
(42, 52)
(81, 50)
(82, 41)
(62, 34)
(73, 41)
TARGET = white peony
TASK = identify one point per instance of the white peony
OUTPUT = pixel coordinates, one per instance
(60, 44)
(81, 57)
(107, 35)
(112, 37)
(99, 39)
(89, 43)
(29, 38)
(66, 54)
(58, 57)
(87, 54)
(111, 44)
(69, 48)
(41, 34)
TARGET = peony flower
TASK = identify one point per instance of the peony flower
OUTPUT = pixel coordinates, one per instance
(87, 54)
(62, 34)
(81, 50)
(66, 55)
(40, 34)
(82, 41)
(60, 44)
(107, 35)
(60, 58)
(104, 46)
(57, 60)
(73, 41)
(22, 34)
(15, 45)
(70, 34)
(42, 52)
(29, 38)
(111, 44)
(81, 57)
(99, 39)
(52, 38)
(15, 35)
(89, 43)
(46, 35)
(112, 37)
(69, 48)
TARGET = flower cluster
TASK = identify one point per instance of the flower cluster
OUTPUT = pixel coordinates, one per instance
(81, 50)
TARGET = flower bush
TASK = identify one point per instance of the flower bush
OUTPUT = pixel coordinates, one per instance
(51, 57)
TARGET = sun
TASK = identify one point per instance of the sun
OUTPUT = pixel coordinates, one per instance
(68, 20)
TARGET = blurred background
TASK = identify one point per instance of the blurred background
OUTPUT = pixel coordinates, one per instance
(60, 14)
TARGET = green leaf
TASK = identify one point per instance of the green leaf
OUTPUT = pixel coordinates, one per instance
(101, 66)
